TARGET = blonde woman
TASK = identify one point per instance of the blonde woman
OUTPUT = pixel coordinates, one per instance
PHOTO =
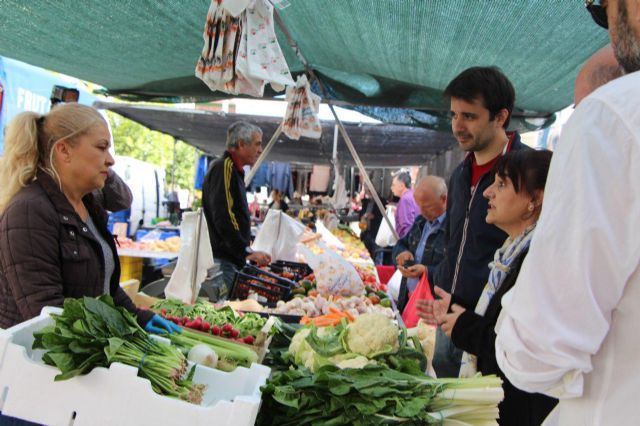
(54, 242)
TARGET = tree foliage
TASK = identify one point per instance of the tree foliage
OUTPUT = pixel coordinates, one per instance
(134, 140)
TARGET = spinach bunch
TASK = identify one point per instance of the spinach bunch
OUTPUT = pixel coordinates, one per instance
(93, 332)
(376, 395)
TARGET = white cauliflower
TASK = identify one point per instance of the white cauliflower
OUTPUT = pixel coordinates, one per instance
(372, 334)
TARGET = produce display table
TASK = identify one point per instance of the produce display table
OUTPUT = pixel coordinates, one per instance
(149, 254)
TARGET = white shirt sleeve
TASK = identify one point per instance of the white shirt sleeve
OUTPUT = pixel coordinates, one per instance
(583, 252)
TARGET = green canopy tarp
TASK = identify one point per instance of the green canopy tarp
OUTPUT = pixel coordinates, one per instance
(391, 53)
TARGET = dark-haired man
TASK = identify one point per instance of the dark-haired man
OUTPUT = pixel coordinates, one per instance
(482, 100)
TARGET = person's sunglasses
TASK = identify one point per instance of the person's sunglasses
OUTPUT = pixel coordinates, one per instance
(598, 13)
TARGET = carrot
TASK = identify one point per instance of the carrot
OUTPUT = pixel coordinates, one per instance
(324, 322)
(305, 320)
(350, 317)
(334, 310)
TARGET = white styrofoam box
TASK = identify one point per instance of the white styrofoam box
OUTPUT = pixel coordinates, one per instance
(115, 395)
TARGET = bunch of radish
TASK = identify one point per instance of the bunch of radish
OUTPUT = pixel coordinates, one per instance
(226, 330)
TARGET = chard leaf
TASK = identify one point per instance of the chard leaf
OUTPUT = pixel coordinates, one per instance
(287, 395)
(341, 389)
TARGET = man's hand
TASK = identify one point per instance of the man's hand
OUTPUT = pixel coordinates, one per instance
(260, 257)
(449, 320)
(403, 257)
(414, 271)
(434, 311)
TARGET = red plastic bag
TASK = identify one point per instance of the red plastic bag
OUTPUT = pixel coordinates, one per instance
(422, 291)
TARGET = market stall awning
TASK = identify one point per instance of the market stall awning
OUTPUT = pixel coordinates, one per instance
(377, 144)
(369, 52)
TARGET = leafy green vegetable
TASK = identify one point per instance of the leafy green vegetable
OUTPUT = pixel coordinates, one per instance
(231, 354)
(248, 324)
(376, 395)
(330, 343)
(94, 333)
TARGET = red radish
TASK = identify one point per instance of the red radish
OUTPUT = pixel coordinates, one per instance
(248, 340)
(185, 319)
(215, 330)
(205, 327)
(227, 328)
(197, 323)
(235, 333)
(164, 312)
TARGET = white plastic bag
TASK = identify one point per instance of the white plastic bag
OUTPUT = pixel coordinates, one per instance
(385, 237)
(334, 275)
(179, 286)
(278, 236)
(393, 285)
(327, 236)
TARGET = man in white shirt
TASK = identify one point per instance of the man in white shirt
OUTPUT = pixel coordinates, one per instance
(569, 326)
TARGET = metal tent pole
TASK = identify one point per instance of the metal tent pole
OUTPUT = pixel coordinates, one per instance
(194, 267)
(343, 131)
(265, 152)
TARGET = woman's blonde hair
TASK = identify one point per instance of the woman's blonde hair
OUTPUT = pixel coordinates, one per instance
(28, 144)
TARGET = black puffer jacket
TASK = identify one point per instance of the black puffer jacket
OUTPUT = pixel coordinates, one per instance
(48, 254)
(476, 335)
(471, 241)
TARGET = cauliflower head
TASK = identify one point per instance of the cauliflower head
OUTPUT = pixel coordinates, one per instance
(372, 334)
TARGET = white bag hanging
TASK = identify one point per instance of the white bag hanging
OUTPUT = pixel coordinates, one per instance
(334, 275)
(340, 199)
(278, 236)
(385, 237)
(301, 116)
(243, 28)
(194, 260)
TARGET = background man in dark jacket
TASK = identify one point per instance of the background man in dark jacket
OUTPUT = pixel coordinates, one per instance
(423, 246)
(224, 202)
(482, 100)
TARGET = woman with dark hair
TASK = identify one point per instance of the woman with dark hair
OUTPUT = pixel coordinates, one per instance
(515, 201)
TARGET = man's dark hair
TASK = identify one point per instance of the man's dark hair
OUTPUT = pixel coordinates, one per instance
(488, 84)
(527, 169)
(404, 177)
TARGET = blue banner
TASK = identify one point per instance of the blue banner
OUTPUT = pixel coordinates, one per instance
(28, 88)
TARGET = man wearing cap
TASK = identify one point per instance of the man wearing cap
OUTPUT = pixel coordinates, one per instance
(569, 327)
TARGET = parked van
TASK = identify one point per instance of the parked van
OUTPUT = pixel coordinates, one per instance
(147, 184)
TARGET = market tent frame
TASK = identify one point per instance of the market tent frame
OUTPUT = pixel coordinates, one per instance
(390, 60)
(379, 145)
